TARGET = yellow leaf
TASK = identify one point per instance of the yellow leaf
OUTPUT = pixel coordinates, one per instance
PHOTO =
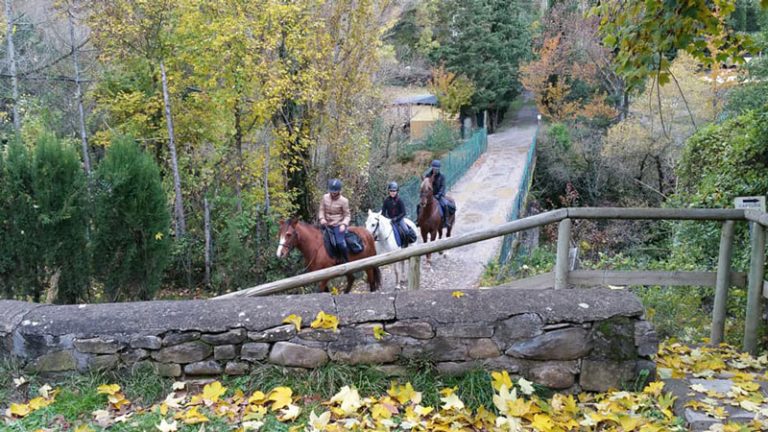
(293, 319)
(348, 399)
(325, 321)
(193, 416)
(518, 407)
(108, 389)
(19, 410)
(457, 294)
(380, 412)
(335, 291)
(452, 401)
(257, 398)
(405, 393)
(39, 402)
(118, 401)
(378, 332)
(500, 379)
(318, 423)
(542, 423)
(212, 392)
(629, 423)
(422, 411)
(280, 397)
(654, 388)
(159, 236)
(83, 428)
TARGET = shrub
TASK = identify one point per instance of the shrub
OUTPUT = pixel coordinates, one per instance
(131, 222)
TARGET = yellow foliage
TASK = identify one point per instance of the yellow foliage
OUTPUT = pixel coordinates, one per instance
(325, 321)
(293, 319)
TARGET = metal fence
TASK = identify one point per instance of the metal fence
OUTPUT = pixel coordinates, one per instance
(507, 245)
(455, 164)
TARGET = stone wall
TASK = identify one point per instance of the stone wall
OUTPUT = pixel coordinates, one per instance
(574, 339)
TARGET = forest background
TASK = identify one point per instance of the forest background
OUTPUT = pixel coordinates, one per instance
(150, 147)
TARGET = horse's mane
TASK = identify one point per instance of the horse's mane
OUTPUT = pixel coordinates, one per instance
(427, 182)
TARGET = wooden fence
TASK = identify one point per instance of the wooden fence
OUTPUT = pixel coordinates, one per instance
(562, 277)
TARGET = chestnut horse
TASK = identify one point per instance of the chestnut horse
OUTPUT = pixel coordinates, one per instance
(308, 239)
(429, 218)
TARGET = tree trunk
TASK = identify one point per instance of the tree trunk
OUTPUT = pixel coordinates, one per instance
(266, 175)
(12, 66)
(208, 246)
(238, 156)
(79, 96)
(181, 225)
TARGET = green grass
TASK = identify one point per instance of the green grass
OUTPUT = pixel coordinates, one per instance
(78, 396)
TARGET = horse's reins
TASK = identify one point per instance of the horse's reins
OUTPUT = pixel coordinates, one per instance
(281, 244)
(378, 224)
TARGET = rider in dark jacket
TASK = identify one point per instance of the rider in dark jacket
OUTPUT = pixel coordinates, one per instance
(394, 209)
(438, 188)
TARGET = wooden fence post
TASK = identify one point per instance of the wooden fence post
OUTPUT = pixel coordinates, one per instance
(755, 290)
(414, 272)
(563, 247)
(723, 282)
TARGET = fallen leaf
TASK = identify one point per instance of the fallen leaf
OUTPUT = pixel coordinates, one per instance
(293, 319)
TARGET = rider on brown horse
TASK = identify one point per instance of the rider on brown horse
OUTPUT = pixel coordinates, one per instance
(438, 190)
(334, 213)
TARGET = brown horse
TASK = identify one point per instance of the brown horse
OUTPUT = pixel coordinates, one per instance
(429, 218)
(308, 239)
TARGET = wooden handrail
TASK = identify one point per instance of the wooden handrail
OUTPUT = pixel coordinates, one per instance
(392, 257)
(488, 233)
(722, 279)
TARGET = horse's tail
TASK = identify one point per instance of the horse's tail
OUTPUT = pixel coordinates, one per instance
(376, 282)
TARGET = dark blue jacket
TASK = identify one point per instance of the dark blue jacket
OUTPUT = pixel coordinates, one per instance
(393, 208)
(438, 184)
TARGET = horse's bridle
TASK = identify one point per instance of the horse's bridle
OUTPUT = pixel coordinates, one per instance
(296, 241)
(378, 224)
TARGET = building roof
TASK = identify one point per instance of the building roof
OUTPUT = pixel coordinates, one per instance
(424, 99)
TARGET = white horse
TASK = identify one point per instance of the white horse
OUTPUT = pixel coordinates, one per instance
(383, 233)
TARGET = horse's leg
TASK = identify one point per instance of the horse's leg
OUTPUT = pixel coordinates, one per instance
(350, 280)
(397, 274)
(323, 286)
(432, 237)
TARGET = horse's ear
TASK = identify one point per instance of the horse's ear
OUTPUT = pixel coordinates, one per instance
(370, 212)
(281, 221)
(294, 221)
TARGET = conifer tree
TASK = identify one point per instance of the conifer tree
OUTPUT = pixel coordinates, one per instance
(130, 246)
(61, 219)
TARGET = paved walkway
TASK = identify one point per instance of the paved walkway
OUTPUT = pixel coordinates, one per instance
(484, 197)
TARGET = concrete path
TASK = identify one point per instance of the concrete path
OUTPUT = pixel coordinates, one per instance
(484, 197)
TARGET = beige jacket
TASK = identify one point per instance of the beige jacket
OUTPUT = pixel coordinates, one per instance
(334, 212)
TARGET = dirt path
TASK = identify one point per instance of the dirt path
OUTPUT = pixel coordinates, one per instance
(484, 197)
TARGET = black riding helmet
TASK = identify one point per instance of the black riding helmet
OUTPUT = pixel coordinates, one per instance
(334, 185)
(393, 187)
(436, 164)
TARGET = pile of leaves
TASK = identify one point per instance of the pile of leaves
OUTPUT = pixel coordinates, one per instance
(516, 404)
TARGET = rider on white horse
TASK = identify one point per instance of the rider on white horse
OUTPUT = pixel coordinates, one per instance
(394, 209)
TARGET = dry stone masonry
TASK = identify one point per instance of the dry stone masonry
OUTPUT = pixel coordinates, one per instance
(572, 340)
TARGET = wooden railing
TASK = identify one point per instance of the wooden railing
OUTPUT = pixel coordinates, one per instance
(562, 277)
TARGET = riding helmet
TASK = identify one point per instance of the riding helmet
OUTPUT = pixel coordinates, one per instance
(334, 185)
(436, 164)
(393, 186)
